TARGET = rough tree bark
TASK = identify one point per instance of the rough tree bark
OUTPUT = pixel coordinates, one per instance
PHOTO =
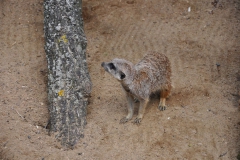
(69, 82)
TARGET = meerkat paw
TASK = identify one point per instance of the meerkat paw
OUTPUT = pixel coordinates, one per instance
(137, 121)
(124, 120)
(161, 108)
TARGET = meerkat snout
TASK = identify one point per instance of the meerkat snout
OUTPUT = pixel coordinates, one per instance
(114, 69)
(108, 66)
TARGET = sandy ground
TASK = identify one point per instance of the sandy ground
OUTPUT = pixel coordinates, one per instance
(202, 120)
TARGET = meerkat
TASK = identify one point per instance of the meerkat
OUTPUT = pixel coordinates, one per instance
(139, 81)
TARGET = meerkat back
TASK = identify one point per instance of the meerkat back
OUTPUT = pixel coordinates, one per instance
(158, 68)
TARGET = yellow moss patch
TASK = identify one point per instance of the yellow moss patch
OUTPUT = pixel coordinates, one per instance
(61, 93)
(63, 38)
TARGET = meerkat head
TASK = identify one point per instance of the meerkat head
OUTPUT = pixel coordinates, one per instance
(118, 68)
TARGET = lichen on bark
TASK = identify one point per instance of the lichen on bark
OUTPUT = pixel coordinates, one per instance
(69, 82)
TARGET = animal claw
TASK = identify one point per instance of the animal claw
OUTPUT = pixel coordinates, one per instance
(124, 120)
(162, 108)
(137, 121)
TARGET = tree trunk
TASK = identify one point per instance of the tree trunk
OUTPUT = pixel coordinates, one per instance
(69, 82)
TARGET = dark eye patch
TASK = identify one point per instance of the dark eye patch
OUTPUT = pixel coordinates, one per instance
(111, 66)
(122, 75)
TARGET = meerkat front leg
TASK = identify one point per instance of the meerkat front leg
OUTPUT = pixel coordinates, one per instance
(130, 100)
(163, 96)
(141, 110)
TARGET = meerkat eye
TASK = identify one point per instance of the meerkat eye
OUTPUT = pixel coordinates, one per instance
(111, 66)
(122, 75)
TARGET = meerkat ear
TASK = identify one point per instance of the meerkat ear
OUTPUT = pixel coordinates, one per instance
(122, 75)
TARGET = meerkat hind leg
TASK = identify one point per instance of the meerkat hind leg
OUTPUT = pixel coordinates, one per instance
(141, 110)
(163, 96)
(162, 105)
(130, 109)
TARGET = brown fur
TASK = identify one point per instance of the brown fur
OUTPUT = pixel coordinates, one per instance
(151, 74)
